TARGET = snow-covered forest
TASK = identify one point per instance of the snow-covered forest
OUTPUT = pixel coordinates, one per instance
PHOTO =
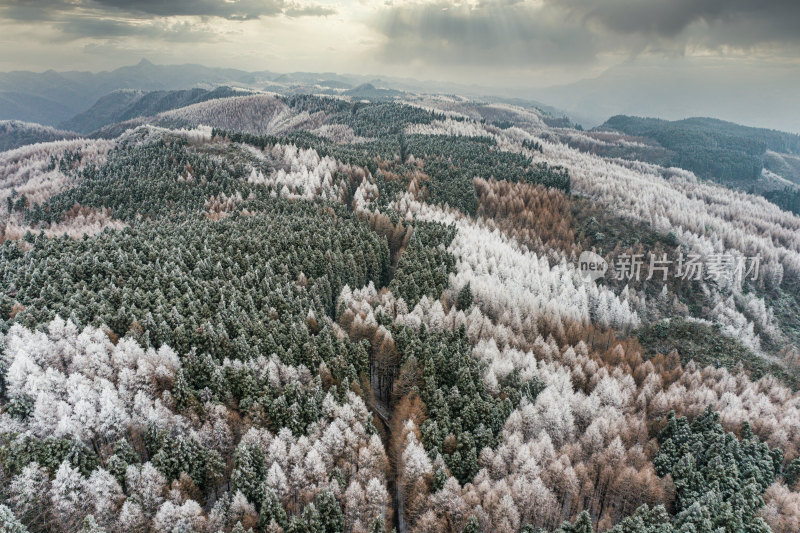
(297, 313)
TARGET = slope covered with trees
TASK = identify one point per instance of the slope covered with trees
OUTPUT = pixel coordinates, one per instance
(14, 134)
(716, 150)
(311, 314)
(125, 105)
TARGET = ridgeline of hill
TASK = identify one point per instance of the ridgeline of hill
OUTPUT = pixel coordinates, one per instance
(123, 105)
(14, 133)
(710, 148)
(756, 160)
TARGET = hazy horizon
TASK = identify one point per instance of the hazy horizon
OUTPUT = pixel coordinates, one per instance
(589, 101)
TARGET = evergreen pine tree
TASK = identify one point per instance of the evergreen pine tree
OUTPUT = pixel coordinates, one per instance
(9, 523)
(378, 526)
(330, 512)
(464, 300)
(472, 526)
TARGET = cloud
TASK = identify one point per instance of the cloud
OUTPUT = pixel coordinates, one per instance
(547, 32)
(74, 27)
(669, 18)
(490, 42)
(308, 10)
(168, 21)
(237, 10)
(505, 32)
(231, 10)
(33, 11)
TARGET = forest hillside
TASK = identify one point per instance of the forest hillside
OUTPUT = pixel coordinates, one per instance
(372, 311)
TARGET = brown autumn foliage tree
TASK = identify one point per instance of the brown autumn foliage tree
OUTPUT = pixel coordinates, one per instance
(220, 206)
(397, 235)
(537, 216)
(782, 508)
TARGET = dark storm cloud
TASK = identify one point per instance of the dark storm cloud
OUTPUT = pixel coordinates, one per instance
(107, 12)
(115, 19)
(33, 10)
(659, 17)
(491, 32)
(669, 18)
(577, 31)
(235, 10)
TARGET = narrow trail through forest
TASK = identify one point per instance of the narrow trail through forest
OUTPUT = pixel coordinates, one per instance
(381, 382)
(384, 414)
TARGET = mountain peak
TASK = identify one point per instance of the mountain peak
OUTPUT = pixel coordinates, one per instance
(144, 63)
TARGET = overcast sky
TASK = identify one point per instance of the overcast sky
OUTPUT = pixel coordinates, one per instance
(527, 43)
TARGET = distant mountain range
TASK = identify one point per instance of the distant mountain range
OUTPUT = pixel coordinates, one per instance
(54, 97)
(105, 104)
(14, 133)
(61, 98)
(86, 101)
(754, 98)
(127, 104)
(756, 160)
